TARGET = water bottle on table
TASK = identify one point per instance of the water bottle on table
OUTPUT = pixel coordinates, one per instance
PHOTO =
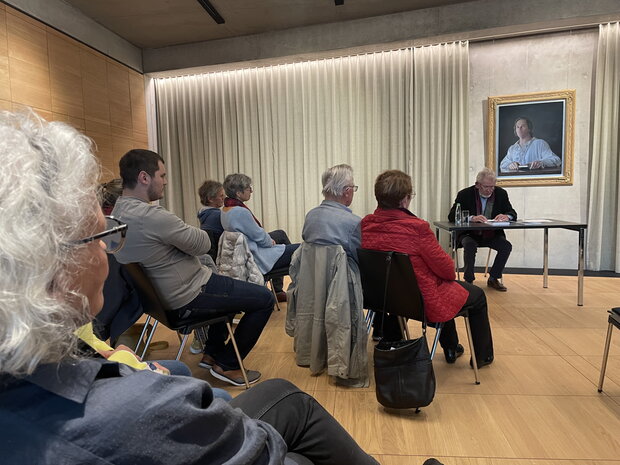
(458, 219)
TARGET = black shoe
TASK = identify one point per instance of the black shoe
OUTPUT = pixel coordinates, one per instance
(482, 363)
(496, 284)
(453, 354)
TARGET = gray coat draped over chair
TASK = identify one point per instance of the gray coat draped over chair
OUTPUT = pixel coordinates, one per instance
(325, 314)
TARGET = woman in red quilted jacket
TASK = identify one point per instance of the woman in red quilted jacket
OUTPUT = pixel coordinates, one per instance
(393, 227)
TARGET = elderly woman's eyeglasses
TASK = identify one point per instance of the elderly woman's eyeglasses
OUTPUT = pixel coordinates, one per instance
(113, 236)
(355, 188)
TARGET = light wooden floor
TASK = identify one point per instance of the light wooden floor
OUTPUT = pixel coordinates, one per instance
(537, 404)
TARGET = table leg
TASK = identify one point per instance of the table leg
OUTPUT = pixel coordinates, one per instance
(581, 259)
(454, 254)
(546, 259)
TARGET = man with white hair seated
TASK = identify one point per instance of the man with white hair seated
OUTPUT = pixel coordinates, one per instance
(333, 222)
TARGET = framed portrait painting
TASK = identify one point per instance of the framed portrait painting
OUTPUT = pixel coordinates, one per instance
(530, 138)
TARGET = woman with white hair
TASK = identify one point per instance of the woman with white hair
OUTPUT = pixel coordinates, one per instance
(58, 405)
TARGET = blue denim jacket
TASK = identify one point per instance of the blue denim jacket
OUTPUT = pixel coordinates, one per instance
(333, 223)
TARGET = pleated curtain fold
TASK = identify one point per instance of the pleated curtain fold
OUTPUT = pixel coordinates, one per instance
(603, 251)
(284, 125)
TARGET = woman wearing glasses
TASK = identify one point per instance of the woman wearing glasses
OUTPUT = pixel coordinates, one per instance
(58, 405)
(270, 250)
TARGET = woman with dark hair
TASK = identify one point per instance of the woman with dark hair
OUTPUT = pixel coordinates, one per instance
(392, 227)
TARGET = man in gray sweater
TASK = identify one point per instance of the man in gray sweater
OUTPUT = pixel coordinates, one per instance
(169, 250)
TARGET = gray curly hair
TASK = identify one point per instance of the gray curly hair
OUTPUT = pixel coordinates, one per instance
(237, 182)
(47, 200)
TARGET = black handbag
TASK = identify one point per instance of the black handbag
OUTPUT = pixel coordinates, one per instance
(404, 375)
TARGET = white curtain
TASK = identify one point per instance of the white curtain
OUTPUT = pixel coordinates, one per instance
(284, 125)
(604, 194)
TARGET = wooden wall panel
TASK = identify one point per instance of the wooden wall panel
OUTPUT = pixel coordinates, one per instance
(95, 86)
(138, 106)
(65, 75)
(120, 101)
(4, 48)
(28, 62)
(5, 83)
(64, 80)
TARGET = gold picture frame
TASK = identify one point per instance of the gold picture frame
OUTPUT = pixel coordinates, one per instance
(551, 117)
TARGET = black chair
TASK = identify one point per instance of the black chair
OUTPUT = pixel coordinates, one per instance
(156, 309)
(390, 286)
(214, 237)
(614, 320)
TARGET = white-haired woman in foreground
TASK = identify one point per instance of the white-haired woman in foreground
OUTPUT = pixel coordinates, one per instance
(58, 406)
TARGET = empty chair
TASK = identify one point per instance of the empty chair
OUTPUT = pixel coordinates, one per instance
(390, 286)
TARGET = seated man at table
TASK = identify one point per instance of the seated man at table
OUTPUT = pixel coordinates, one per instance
(485, 201)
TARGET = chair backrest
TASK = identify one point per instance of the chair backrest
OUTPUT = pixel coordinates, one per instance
(389, 284)
(152, 303)
(214, 237)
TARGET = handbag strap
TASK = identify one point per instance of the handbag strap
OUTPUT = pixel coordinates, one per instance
(388, 259)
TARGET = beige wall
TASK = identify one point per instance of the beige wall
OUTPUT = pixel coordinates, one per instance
(536, 63)
(64, 80)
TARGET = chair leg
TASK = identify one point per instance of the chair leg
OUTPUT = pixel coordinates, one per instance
(182, 346)
(402, 321)
(148, 341)
(605, 357)
(474, 361)
(273, 290)
(486, 267)
(146, 325)
(234, 343)
(436, 340)
(369, 319)
(456, 264)
(201, 334)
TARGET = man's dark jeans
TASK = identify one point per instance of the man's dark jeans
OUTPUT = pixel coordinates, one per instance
(223, 295)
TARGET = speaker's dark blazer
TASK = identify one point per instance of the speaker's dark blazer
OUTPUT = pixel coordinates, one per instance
(467, 199)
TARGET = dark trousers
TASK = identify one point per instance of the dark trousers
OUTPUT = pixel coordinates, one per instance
(470, 247)
(280, 237)
(481, 335)
(307, 428)
(226, 296)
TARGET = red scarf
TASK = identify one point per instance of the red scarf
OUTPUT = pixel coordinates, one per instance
(228, 202)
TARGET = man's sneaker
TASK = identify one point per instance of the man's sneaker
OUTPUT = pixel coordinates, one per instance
(235, 377)
(196, 347)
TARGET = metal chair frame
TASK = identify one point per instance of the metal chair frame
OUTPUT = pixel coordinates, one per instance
(157, 310)
(614, 320)
(390, 286)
